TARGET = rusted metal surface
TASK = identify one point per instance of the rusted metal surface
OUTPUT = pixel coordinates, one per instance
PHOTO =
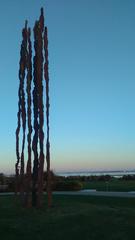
(21, 115)
(31, 85)
(40, 106)
(23, 108)
(36, 124)
(46, 75)
(29, 125)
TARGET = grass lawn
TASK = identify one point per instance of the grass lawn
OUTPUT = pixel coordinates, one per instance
(112, 185)
(71, 218)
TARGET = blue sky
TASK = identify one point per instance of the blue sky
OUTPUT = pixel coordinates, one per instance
(92, 81)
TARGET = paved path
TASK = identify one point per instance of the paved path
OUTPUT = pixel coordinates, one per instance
(99, 193)
(87, 193)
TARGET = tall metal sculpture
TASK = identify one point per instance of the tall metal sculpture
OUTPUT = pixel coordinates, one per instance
(30, 184)
(29, 124)
(21, 115)
(46, 76)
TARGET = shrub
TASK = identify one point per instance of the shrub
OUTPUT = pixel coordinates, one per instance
(104, 178)
(128, 177)
(68, 186)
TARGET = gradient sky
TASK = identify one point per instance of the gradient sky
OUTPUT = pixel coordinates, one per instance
(92, 81)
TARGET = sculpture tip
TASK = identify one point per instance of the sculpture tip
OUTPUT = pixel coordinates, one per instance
(26, 23)
(42, 11)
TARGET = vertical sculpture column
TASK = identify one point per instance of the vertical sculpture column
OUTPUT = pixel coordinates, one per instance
(29, 124)
(36, 124)
(46, 73)
(40, 107)
(31, 183)
(21, 116)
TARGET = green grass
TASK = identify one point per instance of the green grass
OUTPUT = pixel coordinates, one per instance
(112, 185)
(71, 217)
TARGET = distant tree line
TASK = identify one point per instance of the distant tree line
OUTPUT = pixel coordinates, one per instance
(61, 183)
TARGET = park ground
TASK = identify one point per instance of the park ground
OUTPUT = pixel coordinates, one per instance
(114, 184)
(71, 217)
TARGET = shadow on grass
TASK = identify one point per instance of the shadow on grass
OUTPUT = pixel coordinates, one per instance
(71, 217)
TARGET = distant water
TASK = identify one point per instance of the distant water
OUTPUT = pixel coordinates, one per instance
(97, 173)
